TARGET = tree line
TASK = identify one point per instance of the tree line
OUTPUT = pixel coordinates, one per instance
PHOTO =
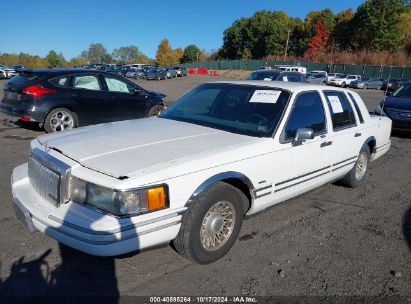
(377, 26)
(98, 54)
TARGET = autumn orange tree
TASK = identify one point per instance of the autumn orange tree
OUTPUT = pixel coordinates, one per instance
(319, 41)
(166, 55)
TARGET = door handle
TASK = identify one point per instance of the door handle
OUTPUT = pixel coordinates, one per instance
(325, 144)
(357, 135)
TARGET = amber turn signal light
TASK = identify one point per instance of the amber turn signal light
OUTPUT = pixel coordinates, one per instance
(156, 198)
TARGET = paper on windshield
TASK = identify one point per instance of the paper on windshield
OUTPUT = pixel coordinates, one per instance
(265, 96)
(285, 78)
(335, 104)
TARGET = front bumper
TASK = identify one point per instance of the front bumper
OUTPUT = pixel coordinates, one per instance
(87, 229)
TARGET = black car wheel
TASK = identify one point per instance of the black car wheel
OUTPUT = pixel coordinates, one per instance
(158, 78)
(60, 119)
(211, 224)
(365, 87)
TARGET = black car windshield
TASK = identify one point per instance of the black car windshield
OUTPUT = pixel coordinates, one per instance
(262, 75)
(403, 91)
(242, 109)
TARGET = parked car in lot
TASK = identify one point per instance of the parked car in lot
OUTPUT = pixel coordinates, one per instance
(134, 73)
(61, 99)
(397, 107)
(181, 71)
(331, 76)
(171, 73)
(156, 74)
(233, 149)
(276, 75)
(7, 72)
(344, 80)
(367, 83)
(318, 79)
(392, 84)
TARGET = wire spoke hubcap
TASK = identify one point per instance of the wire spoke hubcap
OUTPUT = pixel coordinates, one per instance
(61, 120)
(217, 226)
(361, 166)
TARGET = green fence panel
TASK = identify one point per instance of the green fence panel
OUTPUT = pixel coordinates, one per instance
(406, 73)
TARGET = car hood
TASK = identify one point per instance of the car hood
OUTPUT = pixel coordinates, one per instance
(156, 94)
(122, 149)
(398, 103)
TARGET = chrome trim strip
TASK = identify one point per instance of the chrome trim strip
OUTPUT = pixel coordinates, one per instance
(343, 161)
(110, 232)
(350, 163)
(383, 145)
(262, 195)
(263, 188)
(301, 176)
(306, 180)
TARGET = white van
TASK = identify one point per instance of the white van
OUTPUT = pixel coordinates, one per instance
(287, 68)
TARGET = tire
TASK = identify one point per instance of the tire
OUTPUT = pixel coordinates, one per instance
(365, 87)
(343, 85)
(219, 205)
(51, 123)
(155, 110)
(379, 87)
(357, 176)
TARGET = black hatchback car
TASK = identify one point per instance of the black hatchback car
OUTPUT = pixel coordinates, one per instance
(63, 99)
(398, 107)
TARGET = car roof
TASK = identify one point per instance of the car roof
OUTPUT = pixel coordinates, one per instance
(285, 85)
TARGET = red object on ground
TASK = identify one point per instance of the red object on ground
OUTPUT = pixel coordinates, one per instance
(214, 73)
(197, 71)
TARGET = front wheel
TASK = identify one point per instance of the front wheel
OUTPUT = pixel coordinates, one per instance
(211, 224)
(60, 119)
(155, 110)
(343, 85)
(357, 176)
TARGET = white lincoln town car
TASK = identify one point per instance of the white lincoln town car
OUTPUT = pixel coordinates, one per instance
(223, 151)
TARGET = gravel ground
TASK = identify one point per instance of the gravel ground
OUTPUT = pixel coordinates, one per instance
(333, 241)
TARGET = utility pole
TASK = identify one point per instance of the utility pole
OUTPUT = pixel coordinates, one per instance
(286, 44)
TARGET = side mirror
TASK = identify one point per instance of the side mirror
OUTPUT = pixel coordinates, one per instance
(301, 135)
(136, 91)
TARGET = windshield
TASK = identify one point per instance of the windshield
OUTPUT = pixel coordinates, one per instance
(262, 75)
(403, 91)
(242, 109)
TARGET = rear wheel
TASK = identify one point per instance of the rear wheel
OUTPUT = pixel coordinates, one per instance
(357, 176)
(211, 224)
(365, 87)
(60, 119)
(343, 85)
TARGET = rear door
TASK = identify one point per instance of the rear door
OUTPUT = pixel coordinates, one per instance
(345, 139)
(124, 99)
(86, 91)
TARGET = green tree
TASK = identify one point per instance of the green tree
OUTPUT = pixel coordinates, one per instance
(311, 20)
(53, 59)
(191, 54)
(235, 40)
(97, 53)
(126, 54)
(374, 25)
(297, 45)
(341, 35)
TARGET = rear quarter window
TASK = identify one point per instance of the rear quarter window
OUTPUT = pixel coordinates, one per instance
(357, 108)
(342, 114)
(59, 81)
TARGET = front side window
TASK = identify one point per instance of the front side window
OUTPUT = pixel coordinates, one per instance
(342, 114)
(117, 85)
(307, 112)
(262, 76)
(403, 91)
(241, 109)
(88, 82)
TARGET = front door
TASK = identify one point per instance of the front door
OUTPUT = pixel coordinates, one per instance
(299, 168)
(124, 99)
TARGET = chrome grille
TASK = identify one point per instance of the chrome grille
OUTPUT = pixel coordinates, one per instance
(399, 114)
(48, 176)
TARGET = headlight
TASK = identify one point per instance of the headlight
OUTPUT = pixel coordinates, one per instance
(118, 202)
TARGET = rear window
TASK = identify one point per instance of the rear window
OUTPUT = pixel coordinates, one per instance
(22, 79)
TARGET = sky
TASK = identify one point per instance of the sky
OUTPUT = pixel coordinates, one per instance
(37, 26)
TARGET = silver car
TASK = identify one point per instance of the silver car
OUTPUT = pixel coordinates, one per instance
(318, 78)
(367, 83)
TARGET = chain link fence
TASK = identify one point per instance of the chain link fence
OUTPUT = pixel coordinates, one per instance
(363, 70)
